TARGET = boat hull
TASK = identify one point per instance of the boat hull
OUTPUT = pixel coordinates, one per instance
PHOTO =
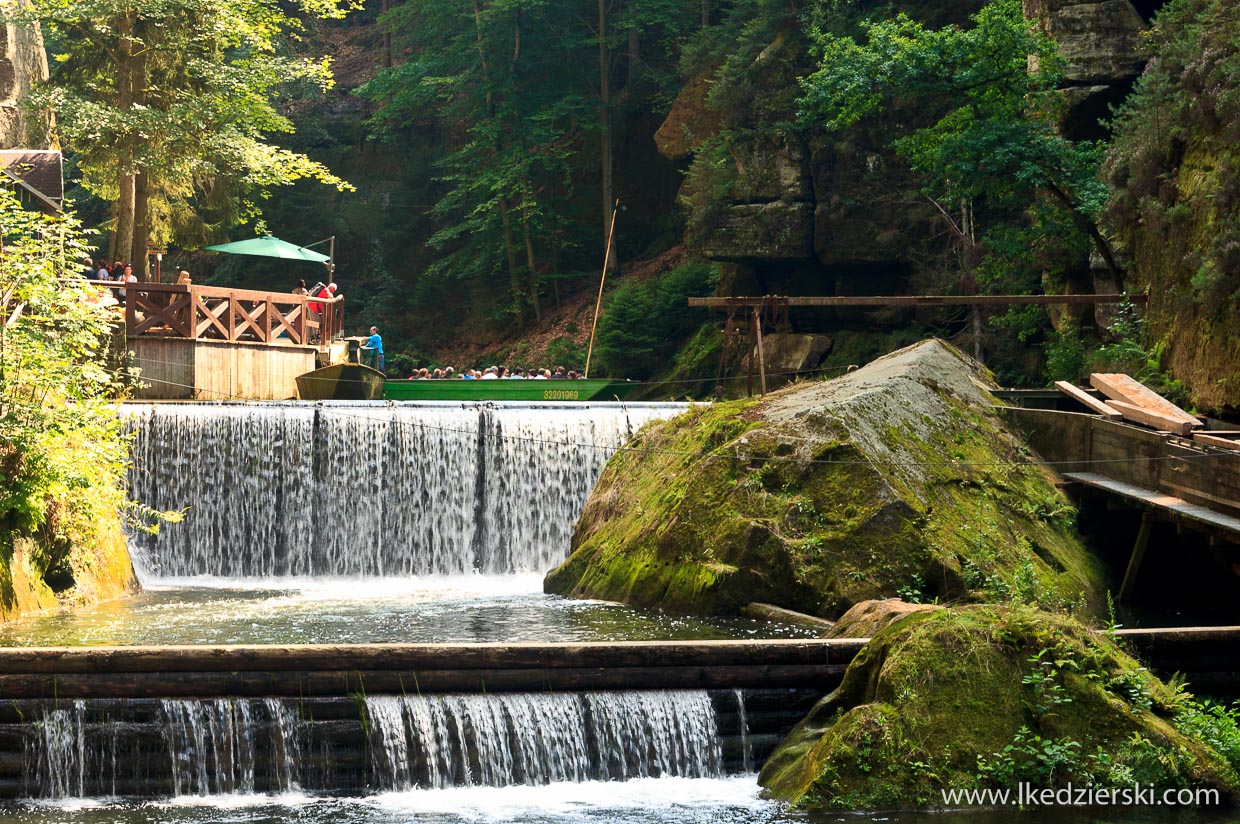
(341, 382)
(506, 390)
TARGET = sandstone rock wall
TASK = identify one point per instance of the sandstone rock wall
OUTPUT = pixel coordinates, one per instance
(23, 62)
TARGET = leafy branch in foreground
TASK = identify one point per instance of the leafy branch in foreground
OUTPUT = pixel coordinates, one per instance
(63, 452)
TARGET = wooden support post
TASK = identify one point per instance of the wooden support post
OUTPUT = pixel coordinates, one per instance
(977, 333)
(757, 324)
(1138, 554)
(750, 355)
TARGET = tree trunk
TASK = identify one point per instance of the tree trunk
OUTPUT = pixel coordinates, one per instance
(705, 13)
(387, 36)
(141, 228)
(634, 60)
(532, 263)
(510, 253)
(122, 244)
(604, 93)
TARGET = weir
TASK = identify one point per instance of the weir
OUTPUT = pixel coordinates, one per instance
(350, 746)
(368, 489)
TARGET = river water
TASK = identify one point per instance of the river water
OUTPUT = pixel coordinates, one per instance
(342, 523)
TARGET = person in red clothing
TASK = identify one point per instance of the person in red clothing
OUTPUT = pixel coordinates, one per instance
(315, 308)
(328, 291)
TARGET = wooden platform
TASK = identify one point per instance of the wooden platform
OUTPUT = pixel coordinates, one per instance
(1168, 504)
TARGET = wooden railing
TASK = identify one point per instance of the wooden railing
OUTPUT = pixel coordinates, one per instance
(174, 310)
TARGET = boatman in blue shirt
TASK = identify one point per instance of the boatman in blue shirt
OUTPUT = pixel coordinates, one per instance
(374, 345)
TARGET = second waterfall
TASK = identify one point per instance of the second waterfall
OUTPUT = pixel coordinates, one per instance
(358, 490)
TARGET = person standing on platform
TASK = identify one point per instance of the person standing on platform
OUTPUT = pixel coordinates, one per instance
(374, 348)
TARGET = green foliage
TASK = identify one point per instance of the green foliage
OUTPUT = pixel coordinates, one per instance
(185, 93)
(1214, 724)
(516, 90)
(642, 322)
(983, 141)
(61, 447)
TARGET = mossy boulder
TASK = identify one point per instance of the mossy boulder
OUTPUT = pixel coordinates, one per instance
(985, 696)
(896, 479)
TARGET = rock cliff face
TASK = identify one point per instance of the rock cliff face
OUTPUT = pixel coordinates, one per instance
(23, 62)
(844, 202)
(895, 479)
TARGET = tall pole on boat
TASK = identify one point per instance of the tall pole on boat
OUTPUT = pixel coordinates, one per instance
(601, 280)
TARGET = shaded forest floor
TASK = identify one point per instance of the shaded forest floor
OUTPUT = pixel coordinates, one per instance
(562, 337)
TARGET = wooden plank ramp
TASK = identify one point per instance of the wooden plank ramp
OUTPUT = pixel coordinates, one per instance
(1156, 500)
(1088, 401)
(1145, 417)
(1129, 391)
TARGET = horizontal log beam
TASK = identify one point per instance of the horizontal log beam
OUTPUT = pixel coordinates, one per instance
(374, 657)
(270, 684)
(911, 300)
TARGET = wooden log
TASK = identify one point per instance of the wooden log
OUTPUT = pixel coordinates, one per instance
(1087, 400)
(1213, 440)
(1137, 414)
(1121, 387)
(779, 615)
(273, 684)
(331, 657)
(915, 300)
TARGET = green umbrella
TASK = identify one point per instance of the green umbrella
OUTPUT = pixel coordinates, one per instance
(269, 247)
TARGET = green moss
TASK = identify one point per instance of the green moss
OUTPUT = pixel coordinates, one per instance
(827, 494)
(986, 696)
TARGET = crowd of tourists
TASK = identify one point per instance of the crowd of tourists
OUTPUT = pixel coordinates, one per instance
(492, 373)
(118, 272)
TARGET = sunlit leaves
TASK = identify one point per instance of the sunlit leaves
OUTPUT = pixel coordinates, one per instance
(193, 104)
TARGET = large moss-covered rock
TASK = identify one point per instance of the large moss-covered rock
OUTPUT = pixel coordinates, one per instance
(987, 697)
(897, 478)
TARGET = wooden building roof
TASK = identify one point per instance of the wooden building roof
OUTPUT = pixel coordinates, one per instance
(36, 175)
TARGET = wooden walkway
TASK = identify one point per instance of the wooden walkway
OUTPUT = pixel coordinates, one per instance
(1177, 508)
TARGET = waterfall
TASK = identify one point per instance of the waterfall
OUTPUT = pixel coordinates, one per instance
(239, 746)
(56, 754)
(210, 745)
(367, 489)
(498, 740)
(743, 729)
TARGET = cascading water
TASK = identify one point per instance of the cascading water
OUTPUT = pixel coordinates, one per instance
(241, 746)
(356, 490)
(443, 741)
(211, 746)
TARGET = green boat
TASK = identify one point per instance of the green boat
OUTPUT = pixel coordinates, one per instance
(456, 389)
